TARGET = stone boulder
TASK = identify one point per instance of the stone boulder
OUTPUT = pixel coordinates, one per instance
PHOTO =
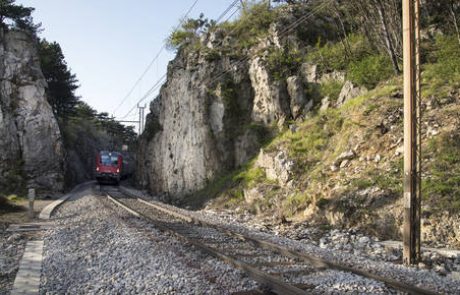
(296, 92)
(277, 166)
(348, 92)
(309, 72)
(333, 76)
(343, 159)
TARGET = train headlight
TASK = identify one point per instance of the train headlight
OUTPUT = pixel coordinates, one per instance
(97, 169)
(118, 170)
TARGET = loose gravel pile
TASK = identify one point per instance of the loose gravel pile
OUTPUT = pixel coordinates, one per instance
(93, 250)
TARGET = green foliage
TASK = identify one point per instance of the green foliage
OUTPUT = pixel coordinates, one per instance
(188, 32)
(250, 177)
(18, 14)
(447, 53)
(363, 65)
(370, 70)
(309, 142)
(329, 57)
(283, 63)
(389, 180)
(331, 89)
(254, 22)
(442, 187)
(443, 74)
(61, 82)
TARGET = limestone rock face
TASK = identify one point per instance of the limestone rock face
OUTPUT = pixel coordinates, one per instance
(270, 102)
(297, 94)
(348, 92)
(212, 114)
(30, 139)
(309, 72)
(193, 126)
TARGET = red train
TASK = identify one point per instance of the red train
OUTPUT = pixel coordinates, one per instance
(109, 167)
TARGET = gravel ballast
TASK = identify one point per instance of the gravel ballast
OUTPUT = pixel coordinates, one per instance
(11, 249)
(96, 249)
(357, 258)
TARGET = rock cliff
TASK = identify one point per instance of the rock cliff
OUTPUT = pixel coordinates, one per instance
(212, 115)
(30, 140)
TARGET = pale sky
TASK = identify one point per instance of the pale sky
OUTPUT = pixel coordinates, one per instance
(108, 44)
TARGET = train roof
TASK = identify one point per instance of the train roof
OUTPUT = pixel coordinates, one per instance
(109, 152)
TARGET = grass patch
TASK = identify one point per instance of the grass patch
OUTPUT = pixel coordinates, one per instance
(443, 74)
(442, 188)
(370, 70)
(331, 89)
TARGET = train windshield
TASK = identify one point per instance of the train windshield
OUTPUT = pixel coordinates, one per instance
(109, 160)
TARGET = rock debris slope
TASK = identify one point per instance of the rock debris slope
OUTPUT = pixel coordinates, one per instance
(30, 139)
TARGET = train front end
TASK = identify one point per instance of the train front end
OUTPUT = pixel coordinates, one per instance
(109, 167)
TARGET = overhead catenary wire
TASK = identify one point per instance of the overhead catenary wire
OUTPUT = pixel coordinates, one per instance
(149, 66)
(287, 30)
(157, 83)
(146, 95)
(227, 10)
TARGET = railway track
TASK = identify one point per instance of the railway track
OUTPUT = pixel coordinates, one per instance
(277, 269)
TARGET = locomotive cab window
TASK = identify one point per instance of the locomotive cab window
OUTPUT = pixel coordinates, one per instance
(109, 160)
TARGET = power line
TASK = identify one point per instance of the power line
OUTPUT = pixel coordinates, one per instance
(146, 95)
(291, 27)
(154, 59)
(229, 8)
(226, 10)
(284, 32)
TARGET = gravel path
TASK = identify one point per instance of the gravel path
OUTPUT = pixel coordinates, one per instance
(94, 251)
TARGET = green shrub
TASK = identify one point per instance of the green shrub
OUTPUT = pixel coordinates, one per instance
(330, 57)
(442, 187)
(333, 56)
(188, 32)
(331, 89)
(283, 63)
(370, 70)
(254, 22)
(444, 74)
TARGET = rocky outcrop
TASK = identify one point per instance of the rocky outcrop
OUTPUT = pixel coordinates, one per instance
(30, 140)
(194, 126)
(277, 166)
(348, 92)
(270, 102)
(205, 123)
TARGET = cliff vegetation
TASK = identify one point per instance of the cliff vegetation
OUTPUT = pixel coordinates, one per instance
(322, 81)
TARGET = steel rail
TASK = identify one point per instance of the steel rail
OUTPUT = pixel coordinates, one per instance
(266, 280)
(315, 261)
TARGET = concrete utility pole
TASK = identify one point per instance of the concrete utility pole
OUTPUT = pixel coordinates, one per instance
(412, 132)
(141, 118)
